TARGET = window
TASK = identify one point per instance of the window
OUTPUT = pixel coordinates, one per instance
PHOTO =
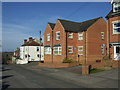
(102, 49)
(70, 35)
(57, 35)
(38, 55)
(116, 27)
(47, 50)
(37, 48)
(48, 37)
(80, 50)
(80, 36)
(25, 56)
(102, 35)
(116, 7)
(70, 49)
(117, 49)
(57, 50)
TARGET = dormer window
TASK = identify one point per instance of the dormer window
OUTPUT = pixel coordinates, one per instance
(116, 6)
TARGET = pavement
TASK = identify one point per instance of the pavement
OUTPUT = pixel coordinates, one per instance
(33, 76)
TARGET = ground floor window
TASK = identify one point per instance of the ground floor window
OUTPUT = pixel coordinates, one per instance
(57, 50)
(80, 50)
(48, 50)
(102, 49)
(70, 49)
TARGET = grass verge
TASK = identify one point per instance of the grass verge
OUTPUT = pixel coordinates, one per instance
(95, 70)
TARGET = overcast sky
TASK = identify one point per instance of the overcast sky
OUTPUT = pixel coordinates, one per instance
(24, 19)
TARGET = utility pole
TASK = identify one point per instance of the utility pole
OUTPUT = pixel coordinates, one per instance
(40, 45)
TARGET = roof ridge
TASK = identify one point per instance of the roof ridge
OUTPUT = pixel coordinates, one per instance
(50, 23)
(91, 19)
(68, 21)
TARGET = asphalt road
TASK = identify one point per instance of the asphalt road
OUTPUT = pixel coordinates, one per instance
(24, 76)
(33, 76)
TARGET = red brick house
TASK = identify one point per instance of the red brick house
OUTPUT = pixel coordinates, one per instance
(84, 42)
(48, 42)
(113, 31)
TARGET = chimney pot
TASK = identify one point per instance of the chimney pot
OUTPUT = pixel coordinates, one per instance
(30, 39)
(25, 40)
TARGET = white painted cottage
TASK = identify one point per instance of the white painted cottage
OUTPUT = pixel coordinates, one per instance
(30, 51)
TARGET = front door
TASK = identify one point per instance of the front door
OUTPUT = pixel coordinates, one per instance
(117, 52)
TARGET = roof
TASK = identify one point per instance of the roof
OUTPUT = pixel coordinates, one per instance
(57, 45)
(31, 43)
(71, 26)
(47, 46)
(113, 14)
(112, 1)
(52, 25)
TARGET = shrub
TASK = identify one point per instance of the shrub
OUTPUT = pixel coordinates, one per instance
(67, 60)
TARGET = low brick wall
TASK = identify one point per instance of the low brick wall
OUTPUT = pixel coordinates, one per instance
(103, 63)
(116, 64)
(57, 65)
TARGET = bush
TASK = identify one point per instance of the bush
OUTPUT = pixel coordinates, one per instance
(67, 60)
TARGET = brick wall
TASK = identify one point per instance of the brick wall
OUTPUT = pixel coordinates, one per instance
(94, 41)
(112, 37)
(48, 58)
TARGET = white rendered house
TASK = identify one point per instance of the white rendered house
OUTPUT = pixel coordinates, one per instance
(31, 51)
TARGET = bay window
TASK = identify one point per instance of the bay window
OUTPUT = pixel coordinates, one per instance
(48, 50)
(57, 50)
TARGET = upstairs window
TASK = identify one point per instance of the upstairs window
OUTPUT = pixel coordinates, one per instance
(70, 49)
(80, 50)
(80, 36)
(48, 37)
(70, 35)
(37, 48)
(116, 27)
(116, 7)
(102, 35)
(57, 35)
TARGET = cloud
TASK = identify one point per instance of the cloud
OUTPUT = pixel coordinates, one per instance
(13, 36)
(12, 39)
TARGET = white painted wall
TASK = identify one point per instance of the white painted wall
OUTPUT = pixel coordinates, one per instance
(32, 51)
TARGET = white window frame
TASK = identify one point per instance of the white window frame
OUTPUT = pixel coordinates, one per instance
(58, 50)
(57, 36)
(102, 35)
(70, 35)
(80, 36)
(118, 21)
(48, 37)
(102, 49)
(70, 49)
(80, 50)
(48, 50)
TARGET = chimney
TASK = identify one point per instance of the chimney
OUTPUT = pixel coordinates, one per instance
(25, 40)
(30, 39)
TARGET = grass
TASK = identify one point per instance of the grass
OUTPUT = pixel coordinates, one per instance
(95, 70)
